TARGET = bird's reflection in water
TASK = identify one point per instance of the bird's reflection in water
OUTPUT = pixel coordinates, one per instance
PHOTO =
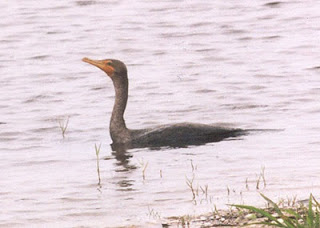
(125, 185)
(123, 158)
(121, 154)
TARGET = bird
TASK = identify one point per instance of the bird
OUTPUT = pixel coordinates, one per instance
(169, 135)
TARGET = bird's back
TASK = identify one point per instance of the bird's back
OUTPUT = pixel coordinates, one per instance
(179, 135)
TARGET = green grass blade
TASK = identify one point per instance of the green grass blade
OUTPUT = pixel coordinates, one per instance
(292, 212)
(274, 205)
(310, 216)
(262, 212)
(286, 220)
(317, 203)
(295, 222)
(317, 222)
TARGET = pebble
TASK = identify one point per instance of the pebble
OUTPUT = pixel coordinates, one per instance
(203, 218)
(207, 224)
(250, 216)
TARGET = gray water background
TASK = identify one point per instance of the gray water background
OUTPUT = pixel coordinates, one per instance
(248, 64)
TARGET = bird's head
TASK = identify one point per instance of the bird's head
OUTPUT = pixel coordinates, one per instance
(113, 68)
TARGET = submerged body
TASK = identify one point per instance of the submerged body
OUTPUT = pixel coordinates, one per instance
(175, 135)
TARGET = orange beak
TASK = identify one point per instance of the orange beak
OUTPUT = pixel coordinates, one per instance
(102, 64)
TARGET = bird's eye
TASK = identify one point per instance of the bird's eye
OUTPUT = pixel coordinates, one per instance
(109, 63)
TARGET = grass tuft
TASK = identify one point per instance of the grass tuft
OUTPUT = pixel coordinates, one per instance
(299, 217)
(63, 126)
(144, 166)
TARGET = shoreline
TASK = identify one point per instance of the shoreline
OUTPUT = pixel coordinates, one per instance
(304, 213)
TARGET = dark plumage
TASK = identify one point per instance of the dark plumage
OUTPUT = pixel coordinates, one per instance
(178, 135)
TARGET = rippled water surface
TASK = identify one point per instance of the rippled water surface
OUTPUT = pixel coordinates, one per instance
(247, 64)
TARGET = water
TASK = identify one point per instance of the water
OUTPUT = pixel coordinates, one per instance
(244, 64)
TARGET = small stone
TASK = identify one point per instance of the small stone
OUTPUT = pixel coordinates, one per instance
(250, 216)
(203, 218)
(222, 219)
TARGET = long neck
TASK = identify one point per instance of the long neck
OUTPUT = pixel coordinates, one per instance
(118, 129)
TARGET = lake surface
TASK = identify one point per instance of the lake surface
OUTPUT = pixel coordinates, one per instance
(241, 64)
